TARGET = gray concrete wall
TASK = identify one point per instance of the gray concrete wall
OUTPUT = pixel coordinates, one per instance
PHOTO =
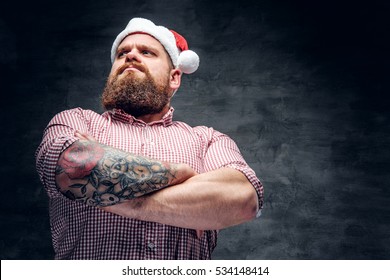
(300, 85)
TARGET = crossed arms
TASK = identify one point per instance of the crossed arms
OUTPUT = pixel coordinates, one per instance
(139, 187)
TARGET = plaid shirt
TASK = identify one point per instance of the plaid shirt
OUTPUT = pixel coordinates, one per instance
(86, 232)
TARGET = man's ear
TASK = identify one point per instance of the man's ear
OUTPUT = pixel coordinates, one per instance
(175, 79)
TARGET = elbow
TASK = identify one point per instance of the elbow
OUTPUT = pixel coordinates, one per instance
(79, 159)
(74, 167)
(65, 178)
(250, 205)
(242, 209)
(252, 209)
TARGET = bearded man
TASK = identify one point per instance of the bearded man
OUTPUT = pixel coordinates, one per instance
(131, 183)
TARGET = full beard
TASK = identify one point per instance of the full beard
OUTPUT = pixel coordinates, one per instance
(134, 95)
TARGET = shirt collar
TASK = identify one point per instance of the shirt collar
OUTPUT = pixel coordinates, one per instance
(120, 115)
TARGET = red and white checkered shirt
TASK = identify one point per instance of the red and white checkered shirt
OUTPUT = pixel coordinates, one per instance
(86, 232)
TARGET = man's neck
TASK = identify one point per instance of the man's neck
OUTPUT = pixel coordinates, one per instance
(154, 117)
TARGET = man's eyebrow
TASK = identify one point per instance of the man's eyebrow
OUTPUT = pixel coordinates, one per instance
(139, 46)
(148, 47)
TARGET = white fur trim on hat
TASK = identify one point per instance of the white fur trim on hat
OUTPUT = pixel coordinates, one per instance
(187, 61)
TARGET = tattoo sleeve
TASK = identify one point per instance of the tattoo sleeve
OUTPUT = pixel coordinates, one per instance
(99, 175)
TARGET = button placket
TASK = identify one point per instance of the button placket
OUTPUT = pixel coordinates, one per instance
(151, 240)
(149, 141)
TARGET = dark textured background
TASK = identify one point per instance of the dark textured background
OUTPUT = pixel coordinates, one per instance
(300, 85)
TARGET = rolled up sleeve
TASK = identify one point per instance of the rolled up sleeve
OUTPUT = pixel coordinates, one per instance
(222, 151)
(57, 137)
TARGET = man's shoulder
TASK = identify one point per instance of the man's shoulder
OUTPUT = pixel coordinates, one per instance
(199, 130)
(196, 128)
(79, 112)
(76, 115)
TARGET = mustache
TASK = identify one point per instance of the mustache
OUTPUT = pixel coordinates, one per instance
(136, 65)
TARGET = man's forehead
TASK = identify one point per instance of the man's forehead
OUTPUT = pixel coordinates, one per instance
(141, 39)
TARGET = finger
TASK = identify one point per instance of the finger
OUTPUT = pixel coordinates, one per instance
(80, 135)
(90, 138)
(84, 136)
(199, 233)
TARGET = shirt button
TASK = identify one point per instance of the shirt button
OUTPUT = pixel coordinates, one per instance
(151, 246)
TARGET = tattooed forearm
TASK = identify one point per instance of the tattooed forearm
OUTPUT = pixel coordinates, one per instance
(100, 175)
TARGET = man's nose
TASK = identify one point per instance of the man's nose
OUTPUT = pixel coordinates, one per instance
(132, 56)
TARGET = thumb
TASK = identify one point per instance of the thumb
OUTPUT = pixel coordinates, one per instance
(84, 136)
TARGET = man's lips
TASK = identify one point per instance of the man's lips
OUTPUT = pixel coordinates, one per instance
(131, 68)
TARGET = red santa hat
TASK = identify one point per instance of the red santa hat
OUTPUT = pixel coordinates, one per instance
(175, 44)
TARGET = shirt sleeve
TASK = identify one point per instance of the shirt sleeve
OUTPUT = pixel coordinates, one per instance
(57, 137)
(222, 151)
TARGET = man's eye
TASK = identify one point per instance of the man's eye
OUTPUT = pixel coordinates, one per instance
(146, 52)
(121, 54)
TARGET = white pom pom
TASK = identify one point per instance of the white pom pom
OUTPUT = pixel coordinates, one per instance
(188, 62)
